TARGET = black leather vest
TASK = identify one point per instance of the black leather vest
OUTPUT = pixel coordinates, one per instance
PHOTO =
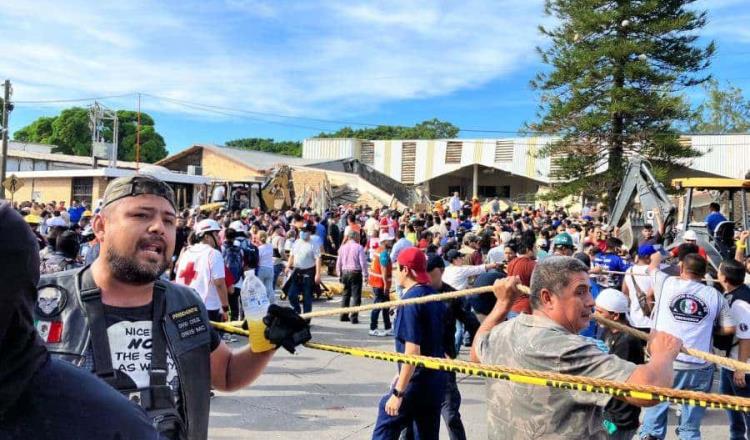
(185, 324)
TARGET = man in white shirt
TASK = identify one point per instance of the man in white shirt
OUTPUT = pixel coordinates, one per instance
(457, 274)
(637, 284)
(687, 309)
(497, 253)
(372, 224)
(454, 205)
(734, 383)
(201, 267)
(304, 261)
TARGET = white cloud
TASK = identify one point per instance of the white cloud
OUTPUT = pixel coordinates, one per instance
(325, 59)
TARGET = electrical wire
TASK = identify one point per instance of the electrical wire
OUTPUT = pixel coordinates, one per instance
(210, 109)
(55, 101)
(242, 113)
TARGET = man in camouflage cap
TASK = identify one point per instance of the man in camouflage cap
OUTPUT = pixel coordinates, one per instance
(548, 340)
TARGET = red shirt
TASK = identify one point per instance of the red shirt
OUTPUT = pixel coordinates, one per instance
(522, 267)
(701, 252)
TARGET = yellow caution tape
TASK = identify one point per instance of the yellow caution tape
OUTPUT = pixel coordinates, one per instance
(706, 400)
(497, 373)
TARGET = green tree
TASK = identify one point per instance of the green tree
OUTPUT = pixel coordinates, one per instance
(38, 131)
(723, 111)
(153, 147)
(616, 67)
(431, 129)
(71, 134)
(289, 148)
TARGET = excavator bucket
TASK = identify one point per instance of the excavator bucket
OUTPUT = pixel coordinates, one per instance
(627, 235)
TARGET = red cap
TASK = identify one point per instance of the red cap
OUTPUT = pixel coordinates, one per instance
(415, 260)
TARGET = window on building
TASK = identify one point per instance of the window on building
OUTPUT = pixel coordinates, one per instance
(554, 167)
(453, 152)
(494, 191)
(83, 188)
(408, 161)
(504, 150)
(487, 191)
(367, 153)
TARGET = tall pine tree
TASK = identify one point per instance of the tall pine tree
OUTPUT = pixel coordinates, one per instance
(617, 67)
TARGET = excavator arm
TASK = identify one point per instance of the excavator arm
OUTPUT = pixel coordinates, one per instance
(640, 181)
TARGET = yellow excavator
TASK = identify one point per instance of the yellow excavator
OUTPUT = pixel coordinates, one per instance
(656, 206)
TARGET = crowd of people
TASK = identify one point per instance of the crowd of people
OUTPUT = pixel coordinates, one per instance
(573, 263)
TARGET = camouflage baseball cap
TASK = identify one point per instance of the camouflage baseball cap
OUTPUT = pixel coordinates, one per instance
(136, 185)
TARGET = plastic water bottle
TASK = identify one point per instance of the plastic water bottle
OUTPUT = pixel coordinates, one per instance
(255, 304)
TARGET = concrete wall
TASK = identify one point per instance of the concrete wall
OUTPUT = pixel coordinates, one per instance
(219, 167)
(723, 155)
(331, 149)
(97, 192)
(431, 155)
(57, 188)
(181, 164)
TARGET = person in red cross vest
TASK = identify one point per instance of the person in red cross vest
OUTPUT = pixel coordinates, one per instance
(201, 267)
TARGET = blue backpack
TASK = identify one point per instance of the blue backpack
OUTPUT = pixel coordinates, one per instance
(251, 254)
(234, 261)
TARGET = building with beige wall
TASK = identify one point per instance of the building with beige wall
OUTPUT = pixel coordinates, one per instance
(227, 164)
(509, 168)
(45, 176)
(89, 184)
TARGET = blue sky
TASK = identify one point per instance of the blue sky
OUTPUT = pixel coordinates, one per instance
(386, 62)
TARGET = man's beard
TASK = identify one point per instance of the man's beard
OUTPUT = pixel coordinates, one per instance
(129, 271)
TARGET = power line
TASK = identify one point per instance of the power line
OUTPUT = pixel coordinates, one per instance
(208, 109)
(93, 98)
(242, 113)
(276, 115)
(331, 121)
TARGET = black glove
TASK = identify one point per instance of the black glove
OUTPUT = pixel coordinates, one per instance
(285, 328)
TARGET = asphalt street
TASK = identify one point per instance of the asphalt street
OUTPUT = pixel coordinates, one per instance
(326, 396)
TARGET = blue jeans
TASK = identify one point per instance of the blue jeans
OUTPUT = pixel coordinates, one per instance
(265, 274)
(277, 269)
(739, 422)
(655, 418)
(302, 284)
(458, 337)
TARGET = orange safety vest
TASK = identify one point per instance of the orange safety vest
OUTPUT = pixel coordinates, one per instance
(380, 276)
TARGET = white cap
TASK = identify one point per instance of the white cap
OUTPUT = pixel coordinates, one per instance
(56, 221)
(207, 225)
(384, 236)
(612, 300)
(237, 225)
(690, 235)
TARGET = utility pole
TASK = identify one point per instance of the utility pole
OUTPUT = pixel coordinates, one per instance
(4, 157)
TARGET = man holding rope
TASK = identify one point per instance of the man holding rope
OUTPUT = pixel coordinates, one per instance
(548, 340)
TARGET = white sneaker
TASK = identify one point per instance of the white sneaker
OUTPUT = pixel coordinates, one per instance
(388, 332)
(376, 332)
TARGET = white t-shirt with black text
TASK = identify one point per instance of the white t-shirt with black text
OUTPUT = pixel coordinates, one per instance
(688, 310)
(740, 311)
